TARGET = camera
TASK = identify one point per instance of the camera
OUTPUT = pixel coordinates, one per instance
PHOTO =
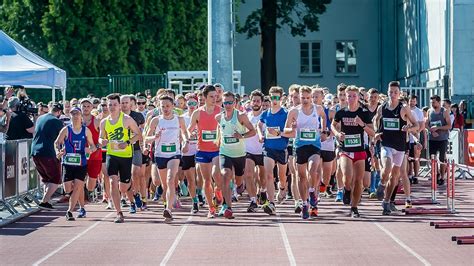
(25, 106)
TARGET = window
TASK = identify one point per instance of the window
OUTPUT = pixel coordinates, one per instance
(346, 57)
(310, 57)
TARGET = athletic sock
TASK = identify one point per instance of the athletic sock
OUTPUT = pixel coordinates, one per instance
(198, 191)
(311, 189)
(195, 200)
(253, 199)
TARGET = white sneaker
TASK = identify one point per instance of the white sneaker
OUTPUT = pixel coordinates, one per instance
(110, 206)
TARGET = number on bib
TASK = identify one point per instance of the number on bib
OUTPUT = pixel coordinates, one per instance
(391, 123)
(168, 147)
(352, 141)
(73, 159)
(209, 135)
(308, 134)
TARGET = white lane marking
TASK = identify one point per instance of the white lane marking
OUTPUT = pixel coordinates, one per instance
(71, 240)
(403, 245)
(286, 242)
(176, 242)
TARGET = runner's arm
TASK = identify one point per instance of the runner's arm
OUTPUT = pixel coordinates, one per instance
(184, 131)
(193, 121)
(244, 120)
(90, 141)
(132, 125)
(149, 136)
(103, 135)
(322, 114)
(376, 119)
(290, 131)
(60, 139)
(414, 124)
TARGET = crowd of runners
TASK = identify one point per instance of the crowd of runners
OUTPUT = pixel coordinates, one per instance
(212, 145)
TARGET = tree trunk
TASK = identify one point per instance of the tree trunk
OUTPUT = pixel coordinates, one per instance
(268, 71)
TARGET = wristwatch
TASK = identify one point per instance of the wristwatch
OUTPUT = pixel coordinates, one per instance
(128, 142)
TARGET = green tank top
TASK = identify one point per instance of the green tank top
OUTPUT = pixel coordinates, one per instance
(117, 134)
(231, 146)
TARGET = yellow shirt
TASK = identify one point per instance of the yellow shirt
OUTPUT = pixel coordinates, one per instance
(117, 134)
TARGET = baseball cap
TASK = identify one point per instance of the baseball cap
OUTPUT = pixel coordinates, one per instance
(83, 100)
(75, 109)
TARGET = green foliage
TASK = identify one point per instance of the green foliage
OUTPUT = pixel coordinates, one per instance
(96, 38)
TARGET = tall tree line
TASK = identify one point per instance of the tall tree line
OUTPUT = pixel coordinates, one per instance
(96, 38)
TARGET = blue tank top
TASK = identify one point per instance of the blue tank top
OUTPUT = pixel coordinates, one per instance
(276, 121)
(75, 145)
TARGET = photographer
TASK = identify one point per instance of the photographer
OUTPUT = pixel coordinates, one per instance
(20, 125)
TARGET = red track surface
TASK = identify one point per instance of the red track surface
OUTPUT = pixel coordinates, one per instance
(250, 239)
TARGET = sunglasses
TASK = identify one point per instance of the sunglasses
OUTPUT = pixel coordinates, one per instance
(228, 102)
(275, 98)
(192, 103)
(141, 103)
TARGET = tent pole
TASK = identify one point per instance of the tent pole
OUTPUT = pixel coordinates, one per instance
(64, 94)
(53, 95)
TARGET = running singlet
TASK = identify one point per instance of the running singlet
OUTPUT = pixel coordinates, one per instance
(354, 134)
(168, 144)
(276, 121)
(230, 145)
(97, 155)
(307, 129)
(117, 134)
(207, 130)
(328, 144)
(192, 141)
(75, 145)
(392, 123)
(252, 145)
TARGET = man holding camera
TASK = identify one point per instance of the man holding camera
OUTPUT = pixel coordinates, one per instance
(20, 125)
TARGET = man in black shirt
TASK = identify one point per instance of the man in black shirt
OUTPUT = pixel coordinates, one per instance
(20, 125)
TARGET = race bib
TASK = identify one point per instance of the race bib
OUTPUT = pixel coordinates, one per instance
(209, 135)
(168, 147)
(308, 134)
(352, 141)
(229, 140)
(73, 159)
(270, 136)
(114, 145)
(436, 123)
(391, 123)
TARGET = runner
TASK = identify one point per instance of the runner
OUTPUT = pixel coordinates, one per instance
(77, 141)
(115, 133)
(294, 91)
(339, 102)
(372, 166)
(271, 132)
(328, 153)
(233, 128)
(207, 155)
(303, 123)
(166, 130)
(254, 171)
(353, 121)
(392, 130)
(416, 145)
(103, 113)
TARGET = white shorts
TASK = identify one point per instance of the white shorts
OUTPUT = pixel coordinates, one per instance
(395, 156)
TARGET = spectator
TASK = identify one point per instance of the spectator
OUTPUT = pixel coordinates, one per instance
(4, 117)
(458, 117)
(42, 108)
(447, 106)
(20, 125)
(463, 109)
(47, 130)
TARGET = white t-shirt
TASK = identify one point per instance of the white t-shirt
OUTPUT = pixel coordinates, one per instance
(418, 115)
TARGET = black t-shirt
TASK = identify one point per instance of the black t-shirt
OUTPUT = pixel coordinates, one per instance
(354, 140)
(138, 117)
(19, 122)
(46, 131)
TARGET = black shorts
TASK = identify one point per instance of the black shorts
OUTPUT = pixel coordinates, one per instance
(289, 149)
(119, 166)
(187, 162)
(238, 164)
(278, 156)
(303, 153)
(74, 172)
(328, 156)
(162, 162)
(256, 158)
(368, 161)
(440, 146)
(146, 160)
(104, 155)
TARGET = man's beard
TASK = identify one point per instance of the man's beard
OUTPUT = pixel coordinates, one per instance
(256, 108)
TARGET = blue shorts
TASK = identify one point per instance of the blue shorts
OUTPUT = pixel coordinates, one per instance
(206, 156)
(162, 162)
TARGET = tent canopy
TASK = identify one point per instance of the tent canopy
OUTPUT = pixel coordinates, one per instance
(20, 66)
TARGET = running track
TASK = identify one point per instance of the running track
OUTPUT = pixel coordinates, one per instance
(250, 239)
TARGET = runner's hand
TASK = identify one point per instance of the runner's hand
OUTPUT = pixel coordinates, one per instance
(273, 131)
(238, 135)
(341, 136)
(104, 142)
(377, 137)
(122, 145)
(60, 153)
(158, 135)
(418, 146)
(186, 147)
(324, 136)
(359, 121)
(434, 134)
(405, 128)
(261, 139)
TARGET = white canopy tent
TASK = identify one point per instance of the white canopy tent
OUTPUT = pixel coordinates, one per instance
(20, 66)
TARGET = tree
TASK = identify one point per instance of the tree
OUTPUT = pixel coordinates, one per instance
(299, 15)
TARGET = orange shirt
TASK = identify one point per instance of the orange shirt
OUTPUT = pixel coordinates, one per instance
(207, 130)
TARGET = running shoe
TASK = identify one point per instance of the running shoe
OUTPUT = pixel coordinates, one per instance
(138, 200)
(355, 212)
(69, 216)
(195, 208)
(212, 213)
(240, 189)
(104, 200)
(144, 206)
(339, 196)
(109, 206)
(298, 207)
(305, 212)
(386, 208)
(289, 196)
(281, 195)
(252, 207)
(158, 193)
(313, 200)
(177, 204)
(82, 213)
(183, 189)
(228, 214)
(123, 203)
(372, 195)
(414, 180)
(346, 198)
(380, 193)
(393, 208)
(313, 212)
(269, 208)
(119, 218)
(222, 211)
(201, 200)
(329, 193)
(408, 204)
(167, 214)
(133, 208)
(46, 206)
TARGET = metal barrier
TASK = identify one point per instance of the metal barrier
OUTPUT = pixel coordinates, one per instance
(19, 186)
(424, 94)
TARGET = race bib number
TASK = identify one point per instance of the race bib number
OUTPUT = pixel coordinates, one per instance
(73, 159)
(209, 135)
(391, 123)
(229, 140)
(352, 141)
(114, 145)
(168, 147)
(308, 134)
(270, 136)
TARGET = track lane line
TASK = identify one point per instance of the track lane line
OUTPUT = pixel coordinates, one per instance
(176, 242)
(286, 242)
